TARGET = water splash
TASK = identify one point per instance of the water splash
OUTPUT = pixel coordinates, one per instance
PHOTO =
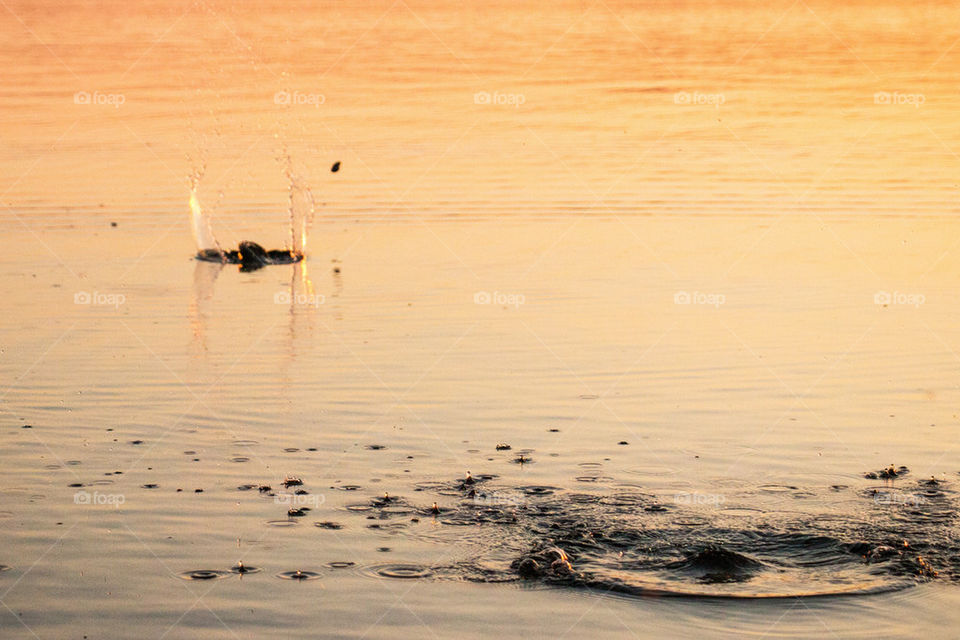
(202, 231)
(302, 207)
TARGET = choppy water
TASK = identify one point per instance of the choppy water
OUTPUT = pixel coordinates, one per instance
(699, 327)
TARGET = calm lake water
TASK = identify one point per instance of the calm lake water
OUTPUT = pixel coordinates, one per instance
(695, 264)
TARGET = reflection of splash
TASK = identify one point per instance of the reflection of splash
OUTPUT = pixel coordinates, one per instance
(204, 278)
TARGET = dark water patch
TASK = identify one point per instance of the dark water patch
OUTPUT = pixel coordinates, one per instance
(149, 485)
(246, 487)
(328, 525)
(204, 574)
(239, 459)
(376, 447)
(299, 575)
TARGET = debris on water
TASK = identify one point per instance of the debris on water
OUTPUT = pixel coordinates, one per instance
(888, 473)
(376, 447)
(136, 442)
(522, 459)
(198, 490)
(150, 485)
(328, 525)
(265, 488)
(623, 442)
(335, 167)
(290, 481)
(502, 446)
(27, 426)
(297, 512)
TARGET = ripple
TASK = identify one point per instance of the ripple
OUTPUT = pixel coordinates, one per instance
(341, 564)
(538, 490)
(398, 571)
(740, 512)
(204, 574)
(244, 443)
(243, 569)
(281, 523)
(776, 488)
(359, 507)
(298, 575)
(239, 459)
